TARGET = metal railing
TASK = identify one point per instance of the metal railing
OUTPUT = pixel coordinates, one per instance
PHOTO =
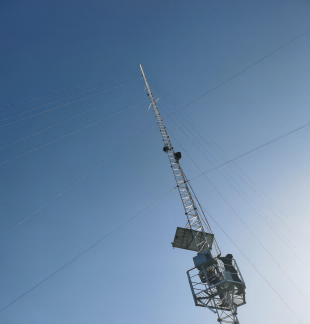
(215, 288)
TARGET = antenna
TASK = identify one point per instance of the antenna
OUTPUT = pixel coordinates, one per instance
(216, 282)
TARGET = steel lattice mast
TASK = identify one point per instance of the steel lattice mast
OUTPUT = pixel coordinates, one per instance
(191, 210)
(216, 282)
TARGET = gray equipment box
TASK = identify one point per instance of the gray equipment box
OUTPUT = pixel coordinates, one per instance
(205, 259)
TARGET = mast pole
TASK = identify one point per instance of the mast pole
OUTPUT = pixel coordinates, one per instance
(191, 211)
(217, 291)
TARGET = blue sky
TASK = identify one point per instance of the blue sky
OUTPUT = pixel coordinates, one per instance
(56, 52)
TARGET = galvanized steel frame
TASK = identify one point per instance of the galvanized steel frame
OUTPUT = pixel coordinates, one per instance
(212, 300)
(213, 296)
(190, 208)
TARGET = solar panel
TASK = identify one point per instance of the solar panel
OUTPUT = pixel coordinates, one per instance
(183, 239)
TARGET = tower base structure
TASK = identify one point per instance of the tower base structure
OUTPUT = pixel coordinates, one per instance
(217, 284)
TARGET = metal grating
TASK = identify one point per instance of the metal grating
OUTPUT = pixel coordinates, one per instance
(183, 238)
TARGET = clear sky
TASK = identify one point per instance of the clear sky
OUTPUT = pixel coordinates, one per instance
(54, 54)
